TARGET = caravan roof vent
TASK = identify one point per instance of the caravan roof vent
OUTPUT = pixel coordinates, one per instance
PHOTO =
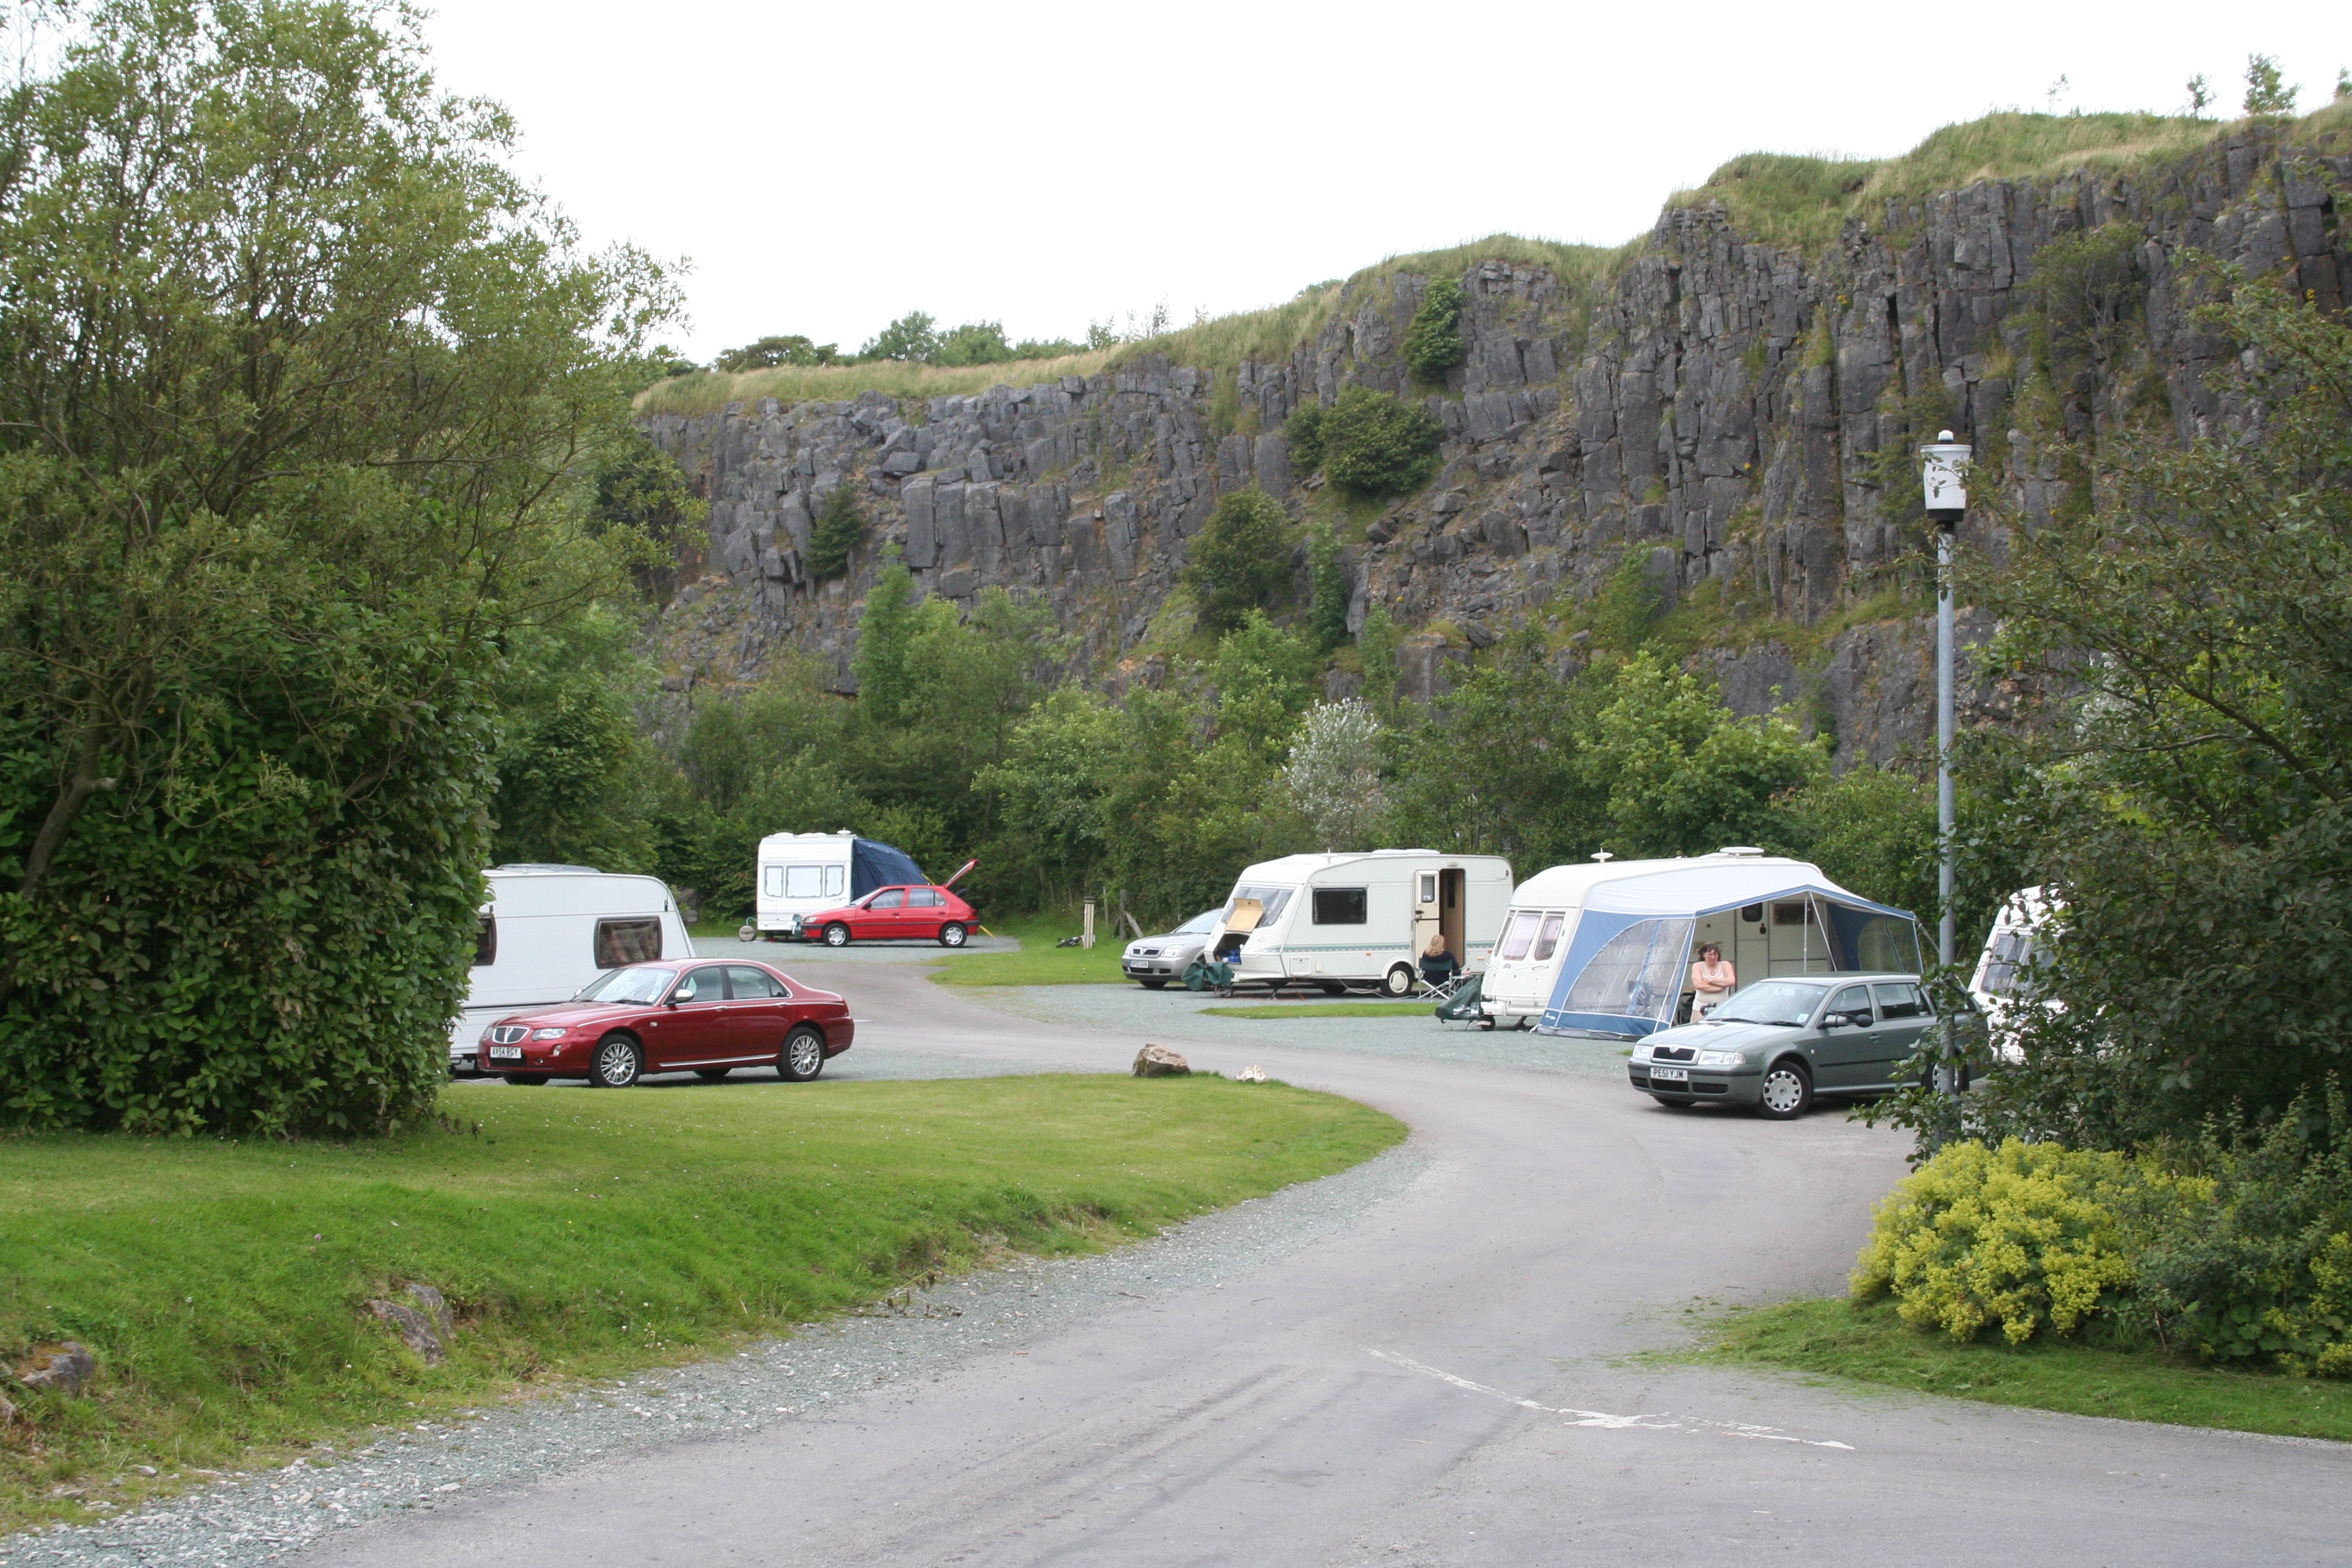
(1604, 856)
(1739, 849)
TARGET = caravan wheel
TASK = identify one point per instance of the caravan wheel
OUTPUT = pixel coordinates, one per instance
(1397, 982)
(747, 934)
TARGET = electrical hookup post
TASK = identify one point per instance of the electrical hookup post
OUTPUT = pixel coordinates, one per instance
(1943, 476)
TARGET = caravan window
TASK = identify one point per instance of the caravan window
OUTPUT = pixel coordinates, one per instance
(1516, 937)
(486, 942)
(832, 875)
(1341, 906)
(1429, 887)
(1271, 902)
(804, 882)
(2010, 952)
(1547, 939)
(627, 942)
(771, 882)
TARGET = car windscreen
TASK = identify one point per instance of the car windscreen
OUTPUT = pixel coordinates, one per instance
(1271, 901)
(628, 985)
(1201, 924)
(1769, 1002)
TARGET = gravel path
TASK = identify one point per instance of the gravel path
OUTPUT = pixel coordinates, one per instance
(263, 1516)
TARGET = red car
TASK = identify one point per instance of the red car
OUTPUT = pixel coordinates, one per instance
(677, 1015)
(887, 914)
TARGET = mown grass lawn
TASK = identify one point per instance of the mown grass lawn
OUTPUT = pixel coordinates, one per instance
(1039, 962)
(578, 1233)
(1869, 1343)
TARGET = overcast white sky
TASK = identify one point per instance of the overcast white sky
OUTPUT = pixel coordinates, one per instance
(826, 168)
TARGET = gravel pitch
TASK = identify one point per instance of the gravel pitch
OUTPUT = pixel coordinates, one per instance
(816, 1376)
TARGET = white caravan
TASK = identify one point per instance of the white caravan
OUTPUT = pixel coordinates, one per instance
(1337, 920)
(2004, 969)
(1605, 948)
(548, 930)
(809, 873)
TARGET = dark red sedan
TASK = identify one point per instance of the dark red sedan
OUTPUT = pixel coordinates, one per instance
(678, 1016)
(892, 915)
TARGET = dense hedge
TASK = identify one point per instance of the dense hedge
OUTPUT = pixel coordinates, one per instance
(2236, 1250)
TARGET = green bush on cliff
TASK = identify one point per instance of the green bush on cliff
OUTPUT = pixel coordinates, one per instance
(840, 528)
(1375, 446)
(1304, 431)
(1241, 560)
(1433, 344)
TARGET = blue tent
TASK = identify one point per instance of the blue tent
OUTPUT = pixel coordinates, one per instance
(874, 864)
(1623, 973)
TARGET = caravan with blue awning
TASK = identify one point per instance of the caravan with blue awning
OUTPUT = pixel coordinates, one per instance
(1606, 949)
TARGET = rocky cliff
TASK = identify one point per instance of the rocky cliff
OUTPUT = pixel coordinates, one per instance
(1734, 415)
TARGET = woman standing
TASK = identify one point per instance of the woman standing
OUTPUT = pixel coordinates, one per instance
(1712, 981)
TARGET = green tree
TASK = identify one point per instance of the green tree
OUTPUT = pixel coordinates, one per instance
(573, 771)
(2186, 786)
(1683, 775)
(913, 336)
(1241, 560)
(1434, 343)
(1304, 431)
(769, 352)
(644, 499)
(974, 343)
(2267, 92)
(1378, 644)
(884, 634)
(1375, 447)
(1329, 574)
(1334, 775)
(840, 530)
(301, 396)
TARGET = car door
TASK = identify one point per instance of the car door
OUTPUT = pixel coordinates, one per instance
(692, 1031)
(926, 912)
(1904, 1016)
(1844, 1052)
(882, 917)
(757, 1009)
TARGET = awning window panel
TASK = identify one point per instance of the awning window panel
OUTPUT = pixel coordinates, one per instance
(1637, 973)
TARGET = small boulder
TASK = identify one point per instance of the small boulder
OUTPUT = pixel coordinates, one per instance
(59, 1369)
(1250, 1074)
(7, 1411)
(425, 1327)
(1159, 1061)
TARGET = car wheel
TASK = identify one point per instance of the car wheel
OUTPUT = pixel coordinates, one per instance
(952, 934)
(747, 934)
(1787, 1091)
(618, 1062)
(1153, 984)
(836, 935)
(522, 1077)
(1397, 982)
(1484, 1022)
(712, 1075)
(802, 1056)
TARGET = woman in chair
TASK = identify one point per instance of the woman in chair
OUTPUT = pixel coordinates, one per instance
(1712, 982)
(1438, 963)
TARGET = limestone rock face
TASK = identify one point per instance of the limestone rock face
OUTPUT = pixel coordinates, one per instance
(1722, 410)
(1159, 1061)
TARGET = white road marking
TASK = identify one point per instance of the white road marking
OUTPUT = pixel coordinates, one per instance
(1659, 1421)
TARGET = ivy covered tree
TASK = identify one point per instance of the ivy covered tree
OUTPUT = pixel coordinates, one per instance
(840, 528)
(1241, 560)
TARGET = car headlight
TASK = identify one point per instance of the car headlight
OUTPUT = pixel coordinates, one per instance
(549, 1034)
(1718, 1059)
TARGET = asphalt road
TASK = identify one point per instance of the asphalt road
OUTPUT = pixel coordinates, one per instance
(1444, 1381)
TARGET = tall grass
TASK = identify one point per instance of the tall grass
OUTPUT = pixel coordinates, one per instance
(708, 392)
(1804, 202)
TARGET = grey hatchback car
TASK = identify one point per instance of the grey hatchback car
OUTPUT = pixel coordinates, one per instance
(1153, 960)
(1776, 1044)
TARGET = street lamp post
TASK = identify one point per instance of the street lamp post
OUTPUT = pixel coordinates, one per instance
(1943, 465)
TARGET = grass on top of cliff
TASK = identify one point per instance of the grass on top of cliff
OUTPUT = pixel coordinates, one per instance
(710, 391)
(579, 1234)
(1802, 201)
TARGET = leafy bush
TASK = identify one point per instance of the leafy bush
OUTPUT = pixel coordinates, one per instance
(1329, 575)
(1304, 431)
(840, 530)
(769, 352)
(1375, 447)
(2028, 1236)
(1241, 560)
(1433, 343)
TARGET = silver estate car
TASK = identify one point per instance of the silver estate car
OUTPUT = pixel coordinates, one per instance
(1776, 1044)
(1153, 960)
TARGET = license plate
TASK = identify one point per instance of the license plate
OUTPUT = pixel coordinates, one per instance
(1670, 1075)
(506, 1053)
